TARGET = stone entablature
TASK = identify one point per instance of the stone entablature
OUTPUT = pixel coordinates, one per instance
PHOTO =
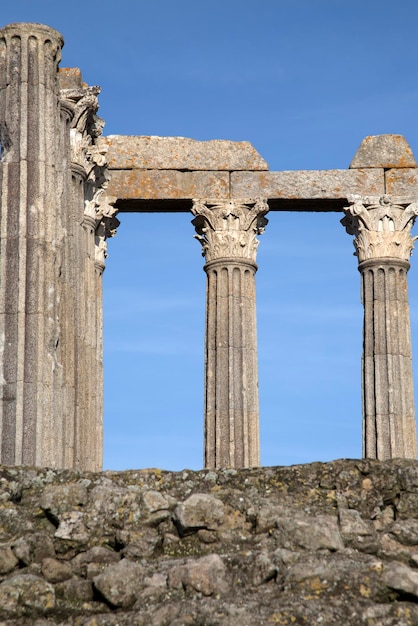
(387, 166)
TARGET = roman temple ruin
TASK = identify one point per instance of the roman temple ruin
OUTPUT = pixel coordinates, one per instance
(63, 183)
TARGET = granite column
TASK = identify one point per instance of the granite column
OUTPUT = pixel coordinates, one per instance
(53, 227)
(383, 243)
(227, 231)
(89, 222)
(31, 245)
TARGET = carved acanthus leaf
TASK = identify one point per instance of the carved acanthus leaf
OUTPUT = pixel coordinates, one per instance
(85, 125)
(97, 181)
(90, 155)
(381, 226)
(99, 210)
(229, 228)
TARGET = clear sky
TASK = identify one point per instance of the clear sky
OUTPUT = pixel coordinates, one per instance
(304, 81)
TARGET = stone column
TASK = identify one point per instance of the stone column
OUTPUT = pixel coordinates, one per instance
(89, 222)
(227, 231)
(52, 246)
(383, 243)
(31, 242)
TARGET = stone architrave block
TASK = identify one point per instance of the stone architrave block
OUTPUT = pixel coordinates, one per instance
(167, 184)
(307, 184)
(402, 182)
(180, 153)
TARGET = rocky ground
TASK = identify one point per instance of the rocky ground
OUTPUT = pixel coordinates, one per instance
(326, 543)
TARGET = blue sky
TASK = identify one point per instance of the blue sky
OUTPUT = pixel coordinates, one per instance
(304, 81)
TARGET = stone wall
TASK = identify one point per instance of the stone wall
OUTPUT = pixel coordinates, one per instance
(333, 543)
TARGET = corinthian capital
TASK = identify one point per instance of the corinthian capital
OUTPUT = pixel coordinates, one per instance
(228, 228)
(89, 154)
(381, 226)
(82, 105)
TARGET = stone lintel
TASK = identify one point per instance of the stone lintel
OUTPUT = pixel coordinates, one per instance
(180, 153)
(383, 151)
(323, 190)
(167, 185)
(402, 182)
(307, 185)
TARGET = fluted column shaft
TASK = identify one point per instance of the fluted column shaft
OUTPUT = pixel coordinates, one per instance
(383, 245)
(227, 231)
(31, 240)
(53, 228)
(89, 222)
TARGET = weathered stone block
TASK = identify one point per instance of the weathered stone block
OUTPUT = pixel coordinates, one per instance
(401, 578)
(55, 571)
(181, 153)
(206, 575)
(321, 533)
(402, 182)
(73, 528)
(8, 560)
(154, 501)
(140, 544)
(59, 499)
(75, 591)
(167, 184)
(70, 78)
(96, 555)
(383, 151)
(307, 184)
(34, 547)
(406, 531)
(24, 594)
(200, 511)
(120, 583)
